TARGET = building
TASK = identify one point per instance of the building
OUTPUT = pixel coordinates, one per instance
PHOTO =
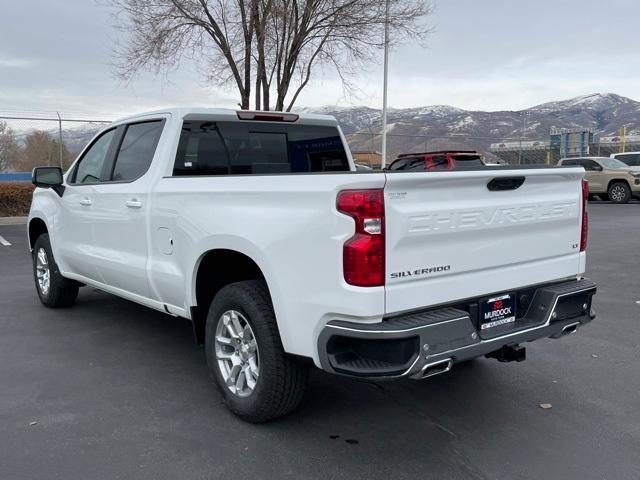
(571, 142)
(562, 143)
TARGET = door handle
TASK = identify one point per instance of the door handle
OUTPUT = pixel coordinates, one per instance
(133, 203)
(505, 183)
(86, 201)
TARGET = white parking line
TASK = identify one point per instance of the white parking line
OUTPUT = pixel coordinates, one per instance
(4, 242)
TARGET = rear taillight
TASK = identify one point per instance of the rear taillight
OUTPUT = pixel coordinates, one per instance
(363, 254)
(584, 232)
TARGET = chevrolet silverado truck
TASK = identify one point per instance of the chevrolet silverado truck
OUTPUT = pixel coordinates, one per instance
(257, 228)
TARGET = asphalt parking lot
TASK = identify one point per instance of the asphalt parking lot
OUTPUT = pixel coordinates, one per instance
(110, 389)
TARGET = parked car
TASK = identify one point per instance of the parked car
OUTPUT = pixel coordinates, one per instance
(632, 159)
(608, 178)
(437, 160)
(253, 226)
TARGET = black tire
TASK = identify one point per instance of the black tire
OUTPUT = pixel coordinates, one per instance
(619, 192)
(62, 292)
(281, 383)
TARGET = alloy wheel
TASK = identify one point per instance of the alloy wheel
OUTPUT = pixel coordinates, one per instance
(617, 193)
(237, 353)
(43, 273)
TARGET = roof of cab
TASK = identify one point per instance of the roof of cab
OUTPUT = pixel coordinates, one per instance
(620, 154)
(227, 114)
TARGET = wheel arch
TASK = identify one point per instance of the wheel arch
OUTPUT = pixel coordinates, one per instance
(618, 180)
(214, 269)
(37, 226)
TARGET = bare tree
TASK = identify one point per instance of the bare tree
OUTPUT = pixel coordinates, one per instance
(265, 48)
(9, 148)
(40, 148)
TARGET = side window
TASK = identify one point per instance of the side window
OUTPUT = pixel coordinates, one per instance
(89, 169)
(633, 160)
(580, 163)
(416, 164)
(590, 165)
(136, 150)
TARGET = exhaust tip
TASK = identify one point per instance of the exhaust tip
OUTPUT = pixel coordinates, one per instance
(436, 368)
(571, 328)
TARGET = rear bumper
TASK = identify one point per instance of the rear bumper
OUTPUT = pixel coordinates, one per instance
(418, 343)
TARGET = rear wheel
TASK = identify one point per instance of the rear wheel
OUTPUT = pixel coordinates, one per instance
(53, 289)
(619, 192)
(258, 381)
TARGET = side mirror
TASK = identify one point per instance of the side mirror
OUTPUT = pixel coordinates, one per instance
(597, 168)
(48, 177)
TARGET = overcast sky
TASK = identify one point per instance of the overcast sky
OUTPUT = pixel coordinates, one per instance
(482, 55)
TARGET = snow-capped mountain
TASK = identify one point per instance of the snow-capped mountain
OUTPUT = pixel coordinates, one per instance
(420, 127)
(443, 126)
(594, 102)
(76, 138)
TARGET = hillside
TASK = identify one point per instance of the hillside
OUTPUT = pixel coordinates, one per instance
(443, 126)
(434, 127)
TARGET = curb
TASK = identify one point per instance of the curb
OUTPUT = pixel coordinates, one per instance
(13, 220)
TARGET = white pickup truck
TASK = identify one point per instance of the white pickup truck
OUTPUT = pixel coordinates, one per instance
(257, 228)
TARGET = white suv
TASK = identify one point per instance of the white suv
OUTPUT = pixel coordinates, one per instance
(632, 159)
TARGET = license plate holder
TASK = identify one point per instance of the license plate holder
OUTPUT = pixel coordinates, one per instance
(497, 311)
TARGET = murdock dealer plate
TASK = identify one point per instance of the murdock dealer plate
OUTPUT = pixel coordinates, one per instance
(497, 311)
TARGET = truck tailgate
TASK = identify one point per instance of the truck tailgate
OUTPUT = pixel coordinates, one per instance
(450, 237)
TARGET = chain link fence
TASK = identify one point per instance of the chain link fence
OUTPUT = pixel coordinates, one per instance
(31, 139)
(366, 147)
(514, 151)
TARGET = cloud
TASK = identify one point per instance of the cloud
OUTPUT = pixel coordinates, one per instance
(483, 55)
(9, 62)
(511, 84)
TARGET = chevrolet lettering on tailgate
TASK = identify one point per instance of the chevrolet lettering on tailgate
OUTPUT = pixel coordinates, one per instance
(458, 219)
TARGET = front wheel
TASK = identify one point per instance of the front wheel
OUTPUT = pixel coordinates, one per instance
(53, 289)
(258, 381)
(619, 192)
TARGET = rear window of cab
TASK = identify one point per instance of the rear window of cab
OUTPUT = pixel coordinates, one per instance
(235, 148)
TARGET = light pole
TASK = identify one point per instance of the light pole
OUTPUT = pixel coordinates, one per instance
(60, 139)
(524, 120)
(384, 86)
